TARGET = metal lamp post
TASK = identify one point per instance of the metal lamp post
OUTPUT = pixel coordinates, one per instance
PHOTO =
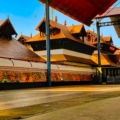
(48, 45)
(98, 47)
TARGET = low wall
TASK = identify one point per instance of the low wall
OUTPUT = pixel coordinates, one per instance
(24, 79)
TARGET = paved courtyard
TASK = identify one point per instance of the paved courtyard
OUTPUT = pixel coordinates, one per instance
(90, 102)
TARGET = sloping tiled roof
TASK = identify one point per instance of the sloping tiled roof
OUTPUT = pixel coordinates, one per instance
(105, 60)
(13, 49)
(63, 29)
(117, 52)
(42, 38)
(59, 26)
(107, 39)
(24, 37)
(64, 33)
(75, 28)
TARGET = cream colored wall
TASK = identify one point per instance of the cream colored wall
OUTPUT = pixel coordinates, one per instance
(19, 63)
(26, 64)
(72, 68)
(38, 65)
(5, 62)
(64, 52)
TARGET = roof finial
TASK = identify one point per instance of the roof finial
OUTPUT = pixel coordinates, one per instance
(56, 19)
(21, 33)
(93, 30)
(65, 23)
(31, 35)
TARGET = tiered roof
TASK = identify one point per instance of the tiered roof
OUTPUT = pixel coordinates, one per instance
(11, 48)
(63, 32)
(69, 32)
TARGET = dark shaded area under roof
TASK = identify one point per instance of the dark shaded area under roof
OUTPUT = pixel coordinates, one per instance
(81, 10)
(6, 28)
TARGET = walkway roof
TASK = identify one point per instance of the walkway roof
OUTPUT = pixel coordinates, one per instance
(81, 10)
(111, 12)
(114, 14)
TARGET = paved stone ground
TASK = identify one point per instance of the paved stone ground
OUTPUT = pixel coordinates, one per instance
(106, 109)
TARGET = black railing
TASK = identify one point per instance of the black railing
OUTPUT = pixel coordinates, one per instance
(113, 80)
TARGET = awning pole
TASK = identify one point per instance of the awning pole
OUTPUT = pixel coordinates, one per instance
(48, 45)
(98, 47)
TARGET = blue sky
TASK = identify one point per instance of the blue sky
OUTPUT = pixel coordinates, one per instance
(25, 15)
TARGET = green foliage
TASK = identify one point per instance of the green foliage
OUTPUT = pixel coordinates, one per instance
(5, 81)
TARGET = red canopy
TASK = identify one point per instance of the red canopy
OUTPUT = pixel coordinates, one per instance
(81, 10)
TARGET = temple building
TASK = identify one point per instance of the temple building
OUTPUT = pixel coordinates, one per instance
(74, 57)
(68, 44)
(21, 64)
(73, 45)
(17, 62)
(11, 48)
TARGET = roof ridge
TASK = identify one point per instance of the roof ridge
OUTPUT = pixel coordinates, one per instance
(33, 37)
(76, 25)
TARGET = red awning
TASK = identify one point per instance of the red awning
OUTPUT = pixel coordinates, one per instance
(81, 10)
